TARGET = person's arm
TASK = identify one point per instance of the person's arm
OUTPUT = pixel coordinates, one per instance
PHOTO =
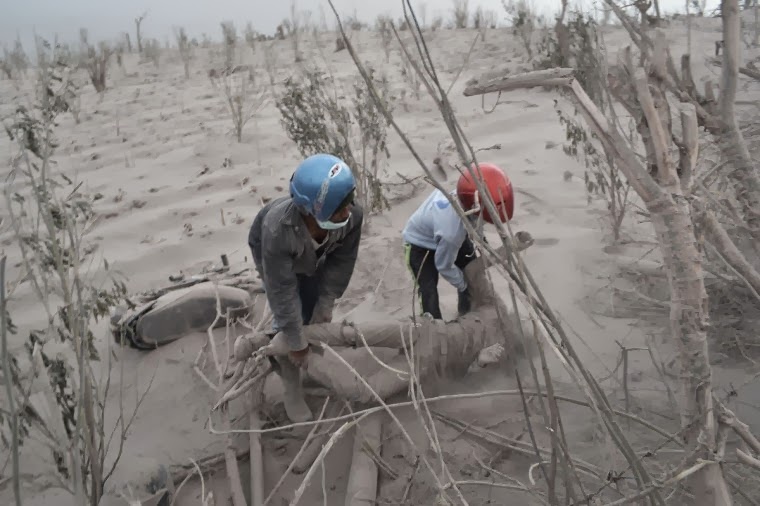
(281, 285)
(339, 264)
(254, 243)
(449, 235)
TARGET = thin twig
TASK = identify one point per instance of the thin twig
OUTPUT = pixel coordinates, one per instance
(383, 406)
(449, 397)
(650, 490)
(464, 64)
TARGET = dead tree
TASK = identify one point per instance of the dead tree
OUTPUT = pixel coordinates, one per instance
(95, 60)
(561, 32)
(745, 175)
(6, 68)
(185, 49)
(138, 22)
(643, 6)
(664, 194)
(294, 28)
(718, 118)
(229, 39)
(250, 36)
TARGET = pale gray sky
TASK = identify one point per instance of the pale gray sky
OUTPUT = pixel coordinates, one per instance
(105, 19)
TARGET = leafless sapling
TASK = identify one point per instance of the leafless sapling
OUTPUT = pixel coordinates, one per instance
(138, 34)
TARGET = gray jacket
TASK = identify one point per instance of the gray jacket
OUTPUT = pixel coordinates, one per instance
(282, 248)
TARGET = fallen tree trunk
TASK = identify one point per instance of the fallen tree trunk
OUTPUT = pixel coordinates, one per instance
(386, 351)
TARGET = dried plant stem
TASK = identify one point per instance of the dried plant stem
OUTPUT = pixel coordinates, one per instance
(233, 471)
(236, 391)
(256, 459)
(442, 398)
(9, 386)
(723, 243)
(292, 464)
(361, 488)
(230, 456)
(513, 444)
(320, 458)
(212, 341)
(650, 490)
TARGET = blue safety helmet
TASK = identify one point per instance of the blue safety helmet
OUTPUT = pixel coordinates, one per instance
(321, 185)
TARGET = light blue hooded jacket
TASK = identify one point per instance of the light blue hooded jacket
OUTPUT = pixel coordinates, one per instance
(436, 226)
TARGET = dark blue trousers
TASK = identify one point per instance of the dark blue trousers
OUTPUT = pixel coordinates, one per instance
(308, 291)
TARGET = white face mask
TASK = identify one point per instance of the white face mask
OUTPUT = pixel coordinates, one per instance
(330, 225)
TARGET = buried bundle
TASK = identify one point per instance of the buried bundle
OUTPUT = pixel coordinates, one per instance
(190, 305)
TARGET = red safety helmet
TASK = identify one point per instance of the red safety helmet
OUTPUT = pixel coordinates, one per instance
(499, 187)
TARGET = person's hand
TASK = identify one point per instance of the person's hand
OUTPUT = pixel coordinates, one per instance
(523, 240)
(298, 357)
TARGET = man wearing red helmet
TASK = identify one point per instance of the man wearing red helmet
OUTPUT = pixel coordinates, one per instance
(436, 241)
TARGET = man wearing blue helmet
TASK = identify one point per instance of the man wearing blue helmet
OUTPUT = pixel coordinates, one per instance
(305, 248)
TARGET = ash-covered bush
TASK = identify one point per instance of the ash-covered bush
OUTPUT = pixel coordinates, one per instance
(319, 118)
(57, 393)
